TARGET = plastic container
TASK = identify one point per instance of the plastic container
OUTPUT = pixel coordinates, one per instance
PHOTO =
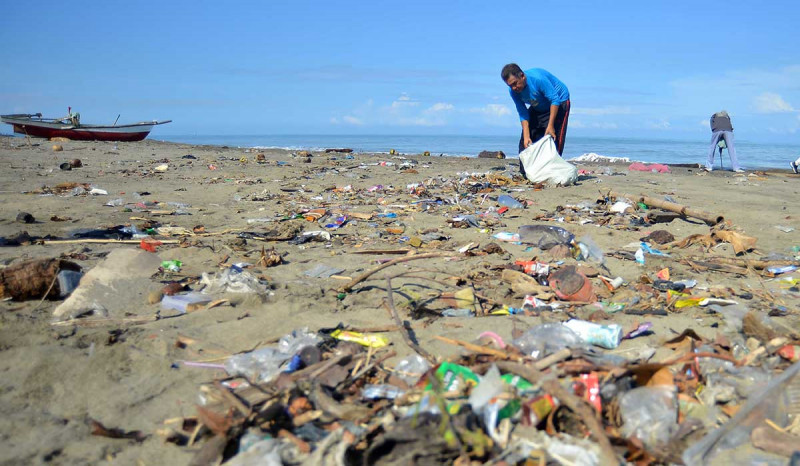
(544, 236)
(571, 285)
(606, 336)
(68, 280)
(180, 302)
(508, 201)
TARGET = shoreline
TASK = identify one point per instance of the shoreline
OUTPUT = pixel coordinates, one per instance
(434, 154)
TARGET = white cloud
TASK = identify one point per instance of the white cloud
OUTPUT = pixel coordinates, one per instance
(580, 124)
(607, 110)
(352, 120)
(660, 125)
(492, 110)
(770, 102)
(704, 123)
(404, 97)
(440, 107)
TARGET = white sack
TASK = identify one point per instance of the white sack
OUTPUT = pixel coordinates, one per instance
(543, 164)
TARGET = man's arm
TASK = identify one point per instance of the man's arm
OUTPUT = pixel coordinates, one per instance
(526, 133)
(551, 125)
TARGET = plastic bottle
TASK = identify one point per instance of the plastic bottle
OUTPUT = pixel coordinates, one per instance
(390, 392)
(606, 336)
(510, 202)
(461, 312)
(590, 251)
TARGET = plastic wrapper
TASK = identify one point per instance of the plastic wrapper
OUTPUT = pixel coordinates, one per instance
(545, 339)
(232, 280)
(650, 414)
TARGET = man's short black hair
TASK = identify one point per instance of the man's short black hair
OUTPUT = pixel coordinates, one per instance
(512, 69)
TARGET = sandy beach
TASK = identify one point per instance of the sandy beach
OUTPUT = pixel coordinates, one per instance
(130, 375)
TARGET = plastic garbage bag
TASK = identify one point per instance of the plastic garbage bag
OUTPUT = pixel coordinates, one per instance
(543, 164)
(544, 236)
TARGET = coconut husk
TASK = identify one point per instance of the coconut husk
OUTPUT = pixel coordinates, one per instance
(33, 278)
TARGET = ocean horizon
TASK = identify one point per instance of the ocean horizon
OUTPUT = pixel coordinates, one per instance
(751, 155)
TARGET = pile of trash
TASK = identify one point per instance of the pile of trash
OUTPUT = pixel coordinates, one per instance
(560, 391)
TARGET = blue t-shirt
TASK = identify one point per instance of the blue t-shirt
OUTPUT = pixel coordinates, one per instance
(542, 90)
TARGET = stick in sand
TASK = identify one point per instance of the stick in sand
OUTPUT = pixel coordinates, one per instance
(403, 330)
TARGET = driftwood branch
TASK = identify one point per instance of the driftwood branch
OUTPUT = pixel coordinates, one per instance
(685, 211)
(349, 286)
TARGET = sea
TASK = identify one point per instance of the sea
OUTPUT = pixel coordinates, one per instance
(751, 155)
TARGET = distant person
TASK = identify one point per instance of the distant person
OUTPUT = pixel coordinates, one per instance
(795, 165)
(548, 105)
(722, 131)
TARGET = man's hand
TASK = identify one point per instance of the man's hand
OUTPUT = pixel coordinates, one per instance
(526, 141)
(551, 131)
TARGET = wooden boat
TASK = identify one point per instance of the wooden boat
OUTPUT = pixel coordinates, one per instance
(70, 127)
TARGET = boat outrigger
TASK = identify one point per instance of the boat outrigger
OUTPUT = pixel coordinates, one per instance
(70, 127)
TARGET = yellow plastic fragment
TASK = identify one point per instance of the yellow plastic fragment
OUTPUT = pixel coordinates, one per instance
(370, 340)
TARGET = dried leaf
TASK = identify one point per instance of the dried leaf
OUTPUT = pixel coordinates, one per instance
(102, 431)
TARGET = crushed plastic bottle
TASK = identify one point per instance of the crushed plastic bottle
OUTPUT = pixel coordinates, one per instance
(412, 368)
(265, 363)
(508, 201)
(545, 236)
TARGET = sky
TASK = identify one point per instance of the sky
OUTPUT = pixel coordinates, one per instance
(634, 69)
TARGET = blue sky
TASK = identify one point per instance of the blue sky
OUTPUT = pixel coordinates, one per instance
(634, 69)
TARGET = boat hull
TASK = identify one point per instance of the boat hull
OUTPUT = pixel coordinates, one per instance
(85, 134)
